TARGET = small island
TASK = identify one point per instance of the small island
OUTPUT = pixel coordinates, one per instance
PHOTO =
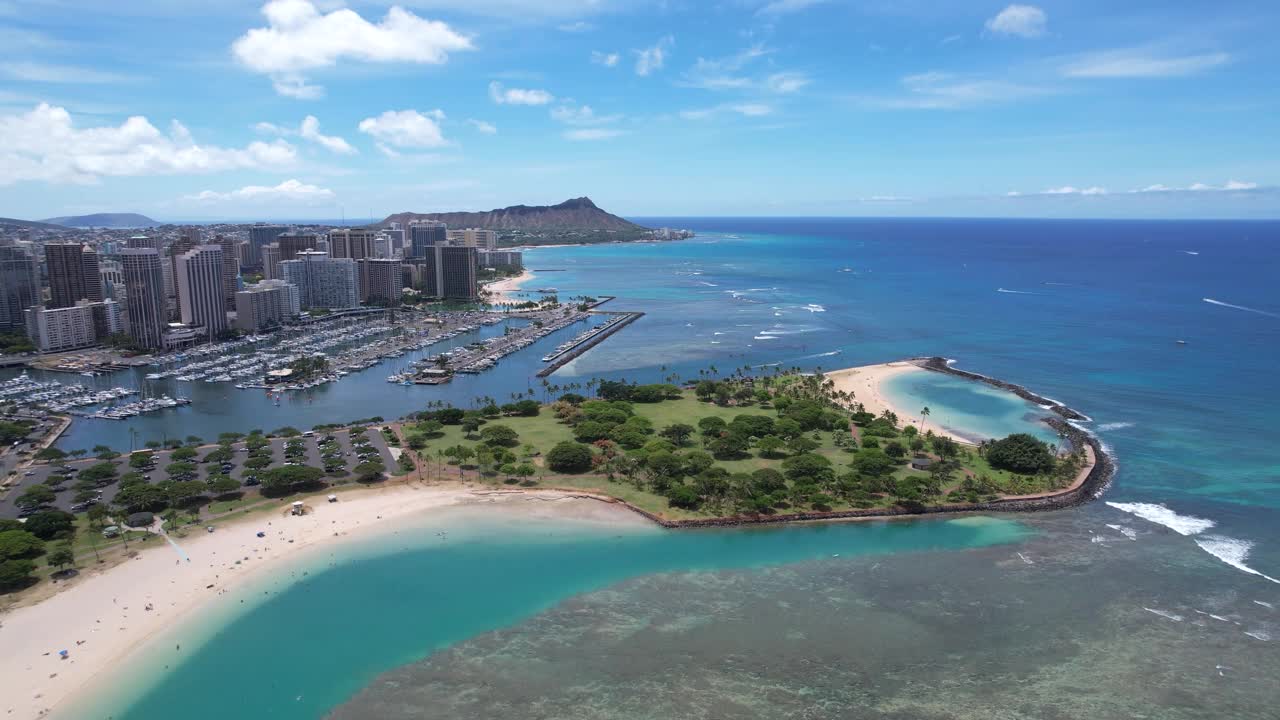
(743, 448)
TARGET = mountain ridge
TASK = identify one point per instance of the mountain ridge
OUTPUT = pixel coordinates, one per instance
(574, 214)
(103, 220)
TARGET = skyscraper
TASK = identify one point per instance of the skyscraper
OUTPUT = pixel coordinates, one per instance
(73, 274)
(291, 245)
(184, 243)
(449, 272)
(145, 295)
(474, 237)
(201, 289)
(19, 286)
(380, 281)
(322, 281)
(260, 235)
(267, 304)
(271, 261)
(354, 243)
(145, 241)
(425, 234)
(230, 270)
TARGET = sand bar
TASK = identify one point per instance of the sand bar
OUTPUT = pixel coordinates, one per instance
(102, 619)
(866, 383)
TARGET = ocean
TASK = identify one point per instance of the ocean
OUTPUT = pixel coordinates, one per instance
(1158, 600)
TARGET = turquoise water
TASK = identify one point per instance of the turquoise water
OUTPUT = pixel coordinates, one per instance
(972, 410)
(306, 648)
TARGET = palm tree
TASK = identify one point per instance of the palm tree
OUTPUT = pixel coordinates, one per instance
(924, 413)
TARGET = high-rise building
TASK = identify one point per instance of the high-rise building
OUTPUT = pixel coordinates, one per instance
(266, 304)
(354, 243)
(73, 274)
(112, 274)
(381, 281)
(322, 281)
(382, 246)
(200, 289)
(230, 270)
(145, 241)
(181, 245)
(262, 234)
(271, 256)
(19, 285)
(145, 295)
(449, 272)
(291, 245)
(474, 237)
(82, 325)
(502, 258)
(244, 254)
(425, 234)
(397, 239)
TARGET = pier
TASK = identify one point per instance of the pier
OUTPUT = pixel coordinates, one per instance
(588, 340)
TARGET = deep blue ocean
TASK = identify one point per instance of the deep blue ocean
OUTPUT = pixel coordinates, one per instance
(1174, 563)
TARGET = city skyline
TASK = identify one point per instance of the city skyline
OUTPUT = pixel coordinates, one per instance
(298, 109)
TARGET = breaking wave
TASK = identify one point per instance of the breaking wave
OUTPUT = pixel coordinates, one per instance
(1115, 426)
(1161, 515)
(1232, 552)
(1016, 292)
(1165, 614)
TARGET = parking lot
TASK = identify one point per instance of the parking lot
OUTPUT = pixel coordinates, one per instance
(202, 470)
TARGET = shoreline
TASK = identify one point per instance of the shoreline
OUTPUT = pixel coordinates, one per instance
(865, 383)
(504, 290)
(106, 620)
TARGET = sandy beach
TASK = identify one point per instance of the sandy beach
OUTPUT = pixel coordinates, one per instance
(504, 290)
(106, 619)
(865, 383)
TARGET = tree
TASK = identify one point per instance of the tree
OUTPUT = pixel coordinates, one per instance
(97, 515)
(141, 459)
(770, 446)
(683, 496)
(873, 462)
(753, 425)
(19, 544)
(257, 462)
(895, 450)
(527, 408)
(62, 556)
(183, 453)
(141, 498)
(16, 574)
(712, 427)
(35, 496)
(677, 433)
(180, 469)
(925, 412)
(103, 452)
(369, 472)
(589, 431)
(500, 435)
(100, 473)
(1020, 453)
(223, 485)
(49, 453)
(525, 471)
(51, 524)
(283, 480)
(809, 469)
(729, 446)
(569, 457)
(183, 492)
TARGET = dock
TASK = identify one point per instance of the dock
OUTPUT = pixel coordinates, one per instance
(588, 341)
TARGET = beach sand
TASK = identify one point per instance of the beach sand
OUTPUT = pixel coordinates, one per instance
(504, 290)
(866, 383)
(104, 620)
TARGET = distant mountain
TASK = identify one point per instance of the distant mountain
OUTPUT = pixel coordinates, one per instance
(11, 223)
(576, 214)
(105, 220)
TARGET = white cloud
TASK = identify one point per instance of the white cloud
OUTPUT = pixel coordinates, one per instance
(727, 73)
(45, 145)
(289, 190)
(651, 59)
(783, 7)
(592, 134)
(1026, 21)
(944, 91)
(605, 59)
(405, 129)
(517, 96)
(46, 73)
(308, 130)
(300, 37)
(744, 109)
(1141, 63)
(483, 127)
(1070, 190)
(581, 115)
(1229, 186)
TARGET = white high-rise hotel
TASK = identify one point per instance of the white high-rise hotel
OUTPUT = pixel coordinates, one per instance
(201, 291)
(322, 281)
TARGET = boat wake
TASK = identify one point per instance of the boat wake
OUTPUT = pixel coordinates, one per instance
(1219, 303)
(1015, 292)
(1165, 614)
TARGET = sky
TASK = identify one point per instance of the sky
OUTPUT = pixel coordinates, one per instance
(247, 110)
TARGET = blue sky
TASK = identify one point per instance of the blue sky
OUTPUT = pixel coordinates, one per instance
(309, 108)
